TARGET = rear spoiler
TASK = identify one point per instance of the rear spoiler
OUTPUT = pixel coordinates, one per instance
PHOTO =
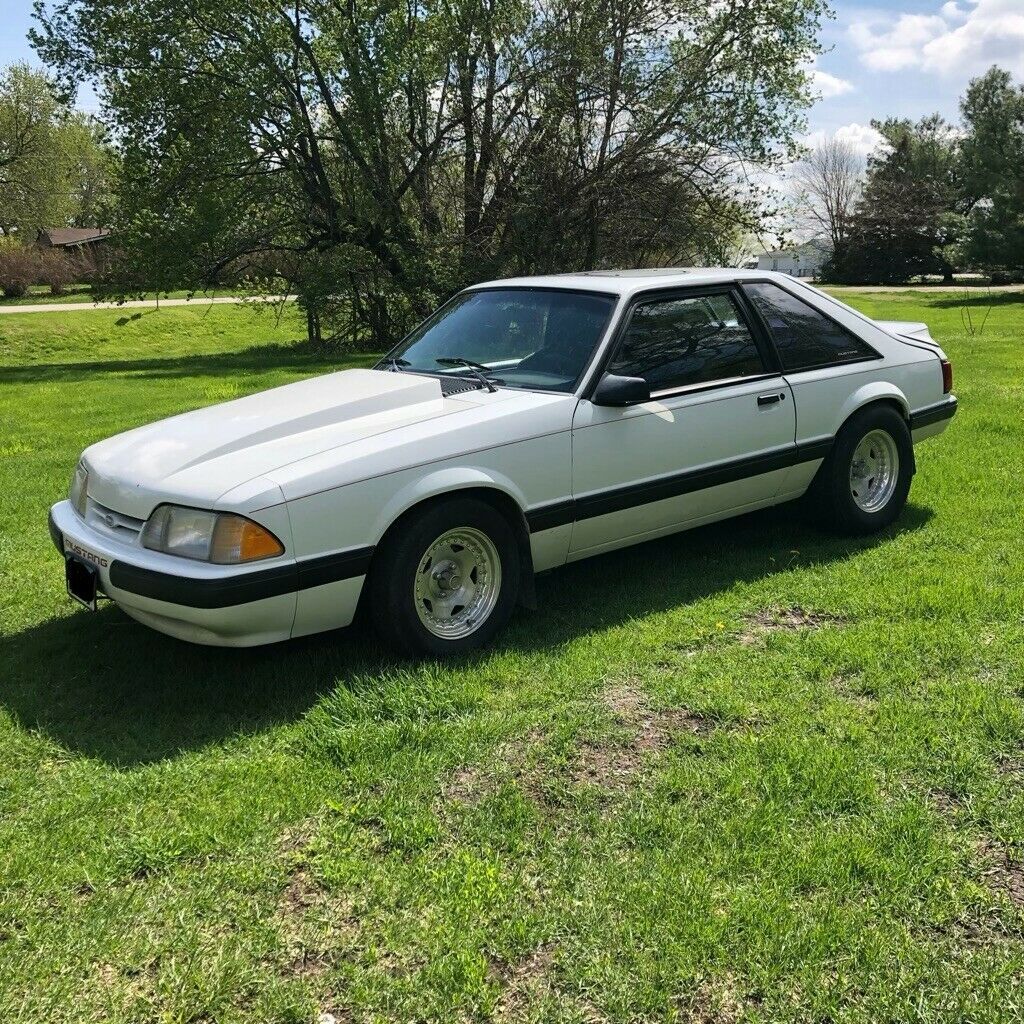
(911, 330)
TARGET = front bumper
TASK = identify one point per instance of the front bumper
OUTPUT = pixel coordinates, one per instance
(216, 604)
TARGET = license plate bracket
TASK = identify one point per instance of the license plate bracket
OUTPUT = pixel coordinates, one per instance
(82, 580)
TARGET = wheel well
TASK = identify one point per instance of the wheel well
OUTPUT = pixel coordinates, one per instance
(895, 403)
(892, 403)
(502, 503)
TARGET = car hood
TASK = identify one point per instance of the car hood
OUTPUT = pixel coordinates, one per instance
(218, 456)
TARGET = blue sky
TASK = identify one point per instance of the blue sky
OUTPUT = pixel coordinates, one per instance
(908, 58)
(903, 58)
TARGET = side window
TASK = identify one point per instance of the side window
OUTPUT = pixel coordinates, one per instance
(805, 338)
(676, 342)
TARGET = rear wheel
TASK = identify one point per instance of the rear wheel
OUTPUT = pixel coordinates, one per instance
(446, 579)
(865, 481)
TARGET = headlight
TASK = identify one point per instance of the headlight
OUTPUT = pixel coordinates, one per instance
(219, 537)
(78, 491)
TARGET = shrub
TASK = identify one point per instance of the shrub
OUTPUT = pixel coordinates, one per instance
(1006, 277)
(55, 270)
(18, 268)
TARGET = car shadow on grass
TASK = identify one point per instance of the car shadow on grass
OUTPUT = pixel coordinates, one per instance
(978, 299)
(104, 686)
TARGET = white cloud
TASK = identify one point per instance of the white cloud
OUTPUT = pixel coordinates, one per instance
(827, 86)
(887, 45)
(956, 41)
(861, 138)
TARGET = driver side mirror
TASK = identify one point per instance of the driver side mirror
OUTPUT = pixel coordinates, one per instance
(614, 390)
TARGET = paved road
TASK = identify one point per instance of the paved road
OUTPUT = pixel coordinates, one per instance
(68, 307)
(924, 289)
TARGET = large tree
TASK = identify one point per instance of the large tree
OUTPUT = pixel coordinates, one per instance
(55, 164)
(993, 171)
(828, 182)
(909, 213)
(389, 153)
(31, 178)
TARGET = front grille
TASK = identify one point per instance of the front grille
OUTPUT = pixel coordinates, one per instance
(112, 523)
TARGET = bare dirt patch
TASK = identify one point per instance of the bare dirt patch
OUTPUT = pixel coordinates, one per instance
(312, 922)
(612, 764)
(973, 929)
(848, 688)
(523, 983)
(333, 1017)
(1011, 767)
(299, 894)
(944, 801)
(470, 784)
(530, 982)
(306, 963)
(1002, 873)
(315, 927)
(608, 764)
(792, 619)
(653, 728)
(716, 1000)
(297, 838)
(130, 982)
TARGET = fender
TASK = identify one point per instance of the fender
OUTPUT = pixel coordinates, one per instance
(869, 393)
(460, 478)
(874, 392)
(442, 482)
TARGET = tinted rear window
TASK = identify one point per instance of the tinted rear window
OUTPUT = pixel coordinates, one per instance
(806, 339)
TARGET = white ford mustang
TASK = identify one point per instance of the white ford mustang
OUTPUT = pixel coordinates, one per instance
(527, 423)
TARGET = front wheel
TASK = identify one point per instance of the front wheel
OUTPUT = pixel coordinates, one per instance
(446, 579)
(865, 481)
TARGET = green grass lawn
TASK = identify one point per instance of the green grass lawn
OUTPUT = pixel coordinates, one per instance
(752, 772)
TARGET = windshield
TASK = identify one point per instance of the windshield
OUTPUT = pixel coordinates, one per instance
(518, 337)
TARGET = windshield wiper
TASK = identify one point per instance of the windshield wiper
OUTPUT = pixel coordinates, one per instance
(395, 365)
(478, 370)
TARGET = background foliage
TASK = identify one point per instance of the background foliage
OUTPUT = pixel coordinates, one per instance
(936, 197)
(379, 156)
(56, 166)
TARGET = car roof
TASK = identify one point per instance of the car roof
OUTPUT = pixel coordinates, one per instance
(629, 282)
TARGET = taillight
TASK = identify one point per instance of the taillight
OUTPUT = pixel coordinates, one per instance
(947, 376)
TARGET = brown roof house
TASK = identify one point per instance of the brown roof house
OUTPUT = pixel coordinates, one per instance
(72, 238)
(85, 249)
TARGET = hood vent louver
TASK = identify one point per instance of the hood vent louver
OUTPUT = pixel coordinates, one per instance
(457, 385)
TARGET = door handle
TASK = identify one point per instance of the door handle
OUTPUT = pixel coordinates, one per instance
(770, 399)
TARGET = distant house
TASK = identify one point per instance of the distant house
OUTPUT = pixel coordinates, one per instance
(84, 248)
(799, 260)
(81, 240)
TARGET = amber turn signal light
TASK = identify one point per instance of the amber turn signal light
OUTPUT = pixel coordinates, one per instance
(236, 539)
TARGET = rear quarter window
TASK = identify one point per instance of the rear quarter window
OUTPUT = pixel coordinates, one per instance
(805, 338)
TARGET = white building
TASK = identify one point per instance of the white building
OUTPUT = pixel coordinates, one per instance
(799, 260)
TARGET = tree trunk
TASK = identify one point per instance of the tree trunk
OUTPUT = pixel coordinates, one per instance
(313, 331)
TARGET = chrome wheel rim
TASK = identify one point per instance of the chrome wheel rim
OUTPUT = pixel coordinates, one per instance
(874, 470)
(458, 580)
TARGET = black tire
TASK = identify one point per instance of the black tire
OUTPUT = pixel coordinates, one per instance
(397, 563)
(832, 494)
